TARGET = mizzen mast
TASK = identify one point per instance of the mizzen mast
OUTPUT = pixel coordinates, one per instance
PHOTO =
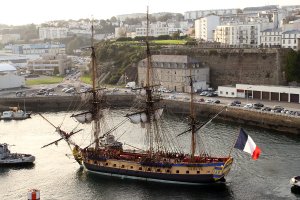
(192, 119)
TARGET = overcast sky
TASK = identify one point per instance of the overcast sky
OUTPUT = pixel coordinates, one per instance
(19, 12)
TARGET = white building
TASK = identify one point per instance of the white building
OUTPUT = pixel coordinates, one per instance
(271, 38)
(205, 27)
(262, 92)
(192, 15)
(6, 38)
(9, 77)
(37, 49)
(156, 29)
(52, 33)
(239, 34)
(291, 39)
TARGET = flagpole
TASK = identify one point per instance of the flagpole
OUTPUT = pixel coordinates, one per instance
(238, 133)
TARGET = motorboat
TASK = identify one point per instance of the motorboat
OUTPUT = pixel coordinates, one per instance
(15, 113)
(295, 184)
(14, 159)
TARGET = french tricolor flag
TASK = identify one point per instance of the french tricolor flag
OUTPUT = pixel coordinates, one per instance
(245, 143)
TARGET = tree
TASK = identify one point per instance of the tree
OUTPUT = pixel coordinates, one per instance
(292, 67)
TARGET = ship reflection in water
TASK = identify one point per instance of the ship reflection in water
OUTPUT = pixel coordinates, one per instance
(58, 176)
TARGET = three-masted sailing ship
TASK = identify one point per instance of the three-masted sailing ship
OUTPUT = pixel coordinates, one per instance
(160, 161)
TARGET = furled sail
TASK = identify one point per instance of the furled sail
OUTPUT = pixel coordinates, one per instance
(141, 117)
(86, 117)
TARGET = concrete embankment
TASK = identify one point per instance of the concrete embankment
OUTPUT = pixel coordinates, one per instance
(60, 103)
(268, 120)
(282, 123)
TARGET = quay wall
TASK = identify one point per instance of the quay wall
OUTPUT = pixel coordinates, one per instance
(282, 123)
(272, 121)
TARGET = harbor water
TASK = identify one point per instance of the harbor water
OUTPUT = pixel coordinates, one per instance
(58, 176)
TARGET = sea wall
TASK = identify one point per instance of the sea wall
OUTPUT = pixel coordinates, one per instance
(282, 123)
(272, 121)
(233, 65)
(61, 103)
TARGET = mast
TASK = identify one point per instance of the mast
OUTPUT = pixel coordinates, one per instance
(193, 119)
(95, 101)
(148, 88)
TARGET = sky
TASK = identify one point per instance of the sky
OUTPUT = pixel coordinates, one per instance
(21, 12)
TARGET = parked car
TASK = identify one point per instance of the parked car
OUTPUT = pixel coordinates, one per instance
(70, 90)
(208, 101)
(201, 100)
(217, 101)
(248, 105)
(266, 109)
(235, 103)
(204, 93)
(258, 104)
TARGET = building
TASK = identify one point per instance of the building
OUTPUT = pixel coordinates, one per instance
(6, 38)
(50, 65)
(52, 33)
(239, 34)
(271, 38)
(205, 27)
(9, 77)
(38, 49)
(172, 71)
(193, 15)
(262, 92)
(291, 39)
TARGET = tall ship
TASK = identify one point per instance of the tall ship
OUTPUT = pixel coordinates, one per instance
(160, 159)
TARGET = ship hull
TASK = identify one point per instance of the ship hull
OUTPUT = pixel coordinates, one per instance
(144, 175)
(15, 160)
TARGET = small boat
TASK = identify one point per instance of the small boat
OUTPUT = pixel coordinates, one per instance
(295, 183)
(14, 159)
(15, 113)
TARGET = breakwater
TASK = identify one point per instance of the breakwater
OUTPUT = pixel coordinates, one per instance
(282, 123)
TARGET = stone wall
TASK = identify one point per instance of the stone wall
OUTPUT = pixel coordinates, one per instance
(230, 65)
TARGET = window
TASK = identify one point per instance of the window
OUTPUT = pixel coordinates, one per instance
(140, 168)
(168, 171)
(131, 167)
(221, 92)
(106, 164)
(158, 170)
(177, 171)
(232, 93)
(226, 93)
(187, 172)
(198, 172)
(149, 169)
(122, 166)
(115, 165)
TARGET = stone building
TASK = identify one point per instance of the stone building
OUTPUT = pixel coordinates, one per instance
(172, 71)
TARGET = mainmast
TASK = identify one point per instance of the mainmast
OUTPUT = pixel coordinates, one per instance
(193, 119)
(95, 101)
(148, 88)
